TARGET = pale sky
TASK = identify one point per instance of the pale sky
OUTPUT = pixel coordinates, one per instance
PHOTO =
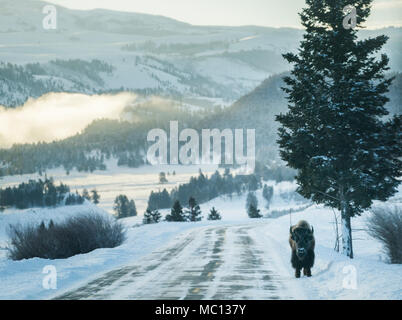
(272, 13)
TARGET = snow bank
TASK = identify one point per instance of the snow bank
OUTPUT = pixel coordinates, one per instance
(23, 279)
(335, 276)
(367, 276)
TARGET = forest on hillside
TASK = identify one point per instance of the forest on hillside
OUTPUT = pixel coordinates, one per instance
(126, 141)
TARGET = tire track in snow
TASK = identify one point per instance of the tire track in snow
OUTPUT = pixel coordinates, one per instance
(218, 262)
(95, 288)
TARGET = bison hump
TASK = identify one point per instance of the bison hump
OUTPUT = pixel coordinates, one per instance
(302, 224)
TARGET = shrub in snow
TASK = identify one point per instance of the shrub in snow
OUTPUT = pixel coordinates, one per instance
(385, 225)
(76, 235)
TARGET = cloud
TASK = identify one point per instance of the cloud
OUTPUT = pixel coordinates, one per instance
(57, 116)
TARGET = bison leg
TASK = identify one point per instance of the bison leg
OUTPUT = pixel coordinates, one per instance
(297, 273)
(307, 272)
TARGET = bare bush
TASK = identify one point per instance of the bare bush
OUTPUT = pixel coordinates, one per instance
(76, 235)
(385, 225)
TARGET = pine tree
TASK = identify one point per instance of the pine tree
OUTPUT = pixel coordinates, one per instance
(95, 196)
(151, 216)
(152, 202)
(346, 156)
(156, 216)
(214, 214)
(121, 206)
(132, 209)
(194, 212)
(147, 219)
(176, 213)
(69, 199)
(78, 198)
(85, 194)
(165, 200)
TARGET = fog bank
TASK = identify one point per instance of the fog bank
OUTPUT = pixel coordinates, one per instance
(57, 116)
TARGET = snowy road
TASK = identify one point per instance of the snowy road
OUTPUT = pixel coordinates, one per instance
(219, 262)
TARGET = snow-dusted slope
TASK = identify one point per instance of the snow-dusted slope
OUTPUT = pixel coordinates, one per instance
(149, 54)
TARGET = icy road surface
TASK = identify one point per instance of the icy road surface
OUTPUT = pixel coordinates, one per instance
(219, 262)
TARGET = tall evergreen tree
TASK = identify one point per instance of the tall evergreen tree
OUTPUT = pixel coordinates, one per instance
(176, 213)
(346, 155)
(132, 209)
(78, 198)
(152, 202)
(124, 207)
(194, 212)
(121, 206)
(165, 200)
(85, 194)
(50, 196)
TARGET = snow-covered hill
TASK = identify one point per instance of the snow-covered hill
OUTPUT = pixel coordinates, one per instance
(147, 54)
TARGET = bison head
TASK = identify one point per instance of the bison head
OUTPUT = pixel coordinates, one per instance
(303, 240)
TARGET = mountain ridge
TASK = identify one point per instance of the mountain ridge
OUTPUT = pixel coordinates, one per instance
(150, 54)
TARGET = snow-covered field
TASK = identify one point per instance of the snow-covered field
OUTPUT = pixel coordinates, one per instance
(367, 276)
(136, 183)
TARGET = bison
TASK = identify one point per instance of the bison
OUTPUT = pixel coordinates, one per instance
(302, 242)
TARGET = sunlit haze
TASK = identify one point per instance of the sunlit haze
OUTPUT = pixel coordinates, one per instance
(57, 115)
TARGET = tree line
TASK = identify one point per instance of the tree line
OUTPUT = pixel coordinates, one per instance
(43, 193)
(205, 188)
(179, 214)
